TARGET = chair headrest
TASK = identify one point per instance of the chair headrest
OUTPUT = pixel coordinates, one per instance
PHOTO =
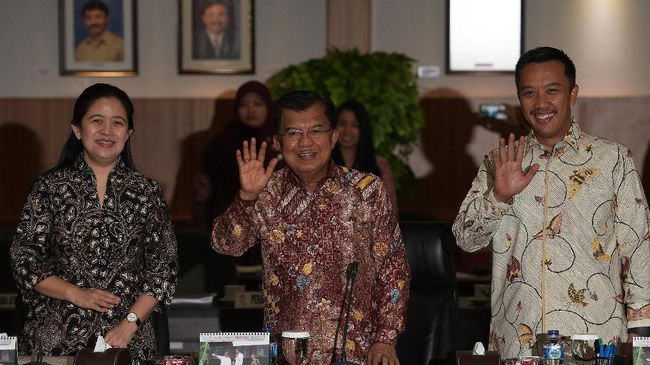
(428, 246)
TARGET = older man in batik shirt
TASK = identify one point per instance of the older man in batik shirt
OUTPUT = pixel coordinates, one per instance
(567, 219)
(313, 218)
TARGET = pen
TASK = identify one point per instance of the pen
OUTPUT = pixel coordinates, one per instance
(601, 348)
(607, 351)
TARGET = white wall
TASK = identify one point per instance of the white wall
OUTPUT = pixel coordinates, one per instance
(286, 31)
(609, 40)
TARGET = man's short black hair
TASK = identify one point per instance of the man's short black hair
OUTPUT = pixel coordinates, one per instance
(301, 100)
(545, 54)
(94, 5)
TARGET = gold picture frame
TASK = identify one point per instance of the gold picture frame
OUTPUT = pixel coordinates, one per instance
(98, 38)
(216, 37)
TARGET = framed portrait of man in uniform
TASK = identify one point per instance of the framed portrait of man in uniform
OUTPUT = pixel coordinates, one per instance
(216, 37)
(97, 38)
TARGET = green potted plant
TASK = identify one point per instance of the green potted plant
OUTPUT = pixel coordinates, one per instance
(383, 82)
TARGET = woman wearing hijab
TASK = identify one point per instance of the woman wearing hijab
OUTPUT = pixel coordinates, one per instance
(218, 178)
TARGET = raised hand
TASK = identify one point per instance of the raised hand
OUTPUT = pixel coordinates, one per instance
(509, 179)
(253, 177)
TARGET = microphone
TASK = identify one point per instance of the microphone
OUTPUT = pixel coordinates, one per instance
(351, 274)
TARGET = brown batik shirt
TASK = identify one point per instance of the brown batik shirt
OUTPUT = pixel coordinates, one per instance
(308, 239)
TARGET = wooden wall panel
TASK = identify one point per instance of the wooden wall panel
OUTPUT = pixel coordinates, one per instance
(171, 134)
(167, 144)
(349, 24)
(169, 138)
(451, 127)
(446, 134)
(32, 132)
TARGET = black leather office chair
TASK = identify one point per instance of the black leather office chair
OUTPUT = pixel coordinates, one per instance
(161, 329)
(9, 322)
(430, 335)
(194, 253)
(7, 283)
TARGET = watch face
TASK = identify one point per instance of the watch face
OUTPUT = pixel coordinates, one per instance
(132, 317)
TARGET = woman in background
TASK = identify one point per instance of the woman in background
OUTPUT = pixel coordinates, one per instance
(355, 148)
(218, 179)
(94, 252)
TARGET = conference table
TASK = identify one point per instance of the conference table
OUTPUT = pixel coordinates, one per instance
(52, 360)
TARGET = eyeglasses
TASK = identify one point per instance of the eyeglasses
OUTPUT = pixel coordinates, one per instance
(314, 133)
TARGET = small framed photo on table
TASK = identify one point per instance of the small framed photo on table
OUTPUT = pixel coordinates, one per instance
(98, 38)
(216, 37)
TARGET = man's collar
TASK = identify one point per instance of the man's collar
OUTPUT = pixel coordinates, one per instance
(216, 40)
(103, 39)
(572, 138)
(332, 172)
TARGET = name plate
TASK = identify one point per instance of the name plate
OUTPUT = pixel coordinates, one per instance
(8, 301)
(249, 299)
(8, 349)
(641, 351)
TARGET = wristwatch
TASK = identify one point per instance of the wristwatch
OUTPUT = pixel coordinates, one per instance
(133, 318)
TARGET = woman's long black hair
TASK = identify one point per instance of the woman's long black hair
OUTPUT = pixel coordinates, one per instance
(366, 159)
(73, 146)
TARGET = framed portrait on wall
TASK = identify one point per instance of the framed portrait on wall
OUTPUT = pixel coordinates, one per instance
(484, 36)
(216, 37)
(97, 38)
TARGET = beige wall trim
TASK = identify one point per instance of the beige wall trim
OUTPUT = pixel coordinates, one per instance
(349, 24)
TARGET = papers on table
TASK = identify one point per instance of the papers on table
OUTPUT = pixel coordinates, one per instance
(204, 299)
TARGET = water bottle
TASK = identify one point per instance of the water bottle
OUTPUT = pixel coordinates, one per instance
(553, 349)
(273, 346)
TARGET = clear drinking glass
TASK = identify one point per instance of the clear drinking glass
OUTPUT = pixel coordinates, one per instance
(295, 346)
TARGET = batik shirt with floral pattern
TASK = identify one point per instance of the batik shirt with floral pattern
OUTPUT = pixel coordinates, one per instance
(572, 250)
(126, 246)
(308, 239)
